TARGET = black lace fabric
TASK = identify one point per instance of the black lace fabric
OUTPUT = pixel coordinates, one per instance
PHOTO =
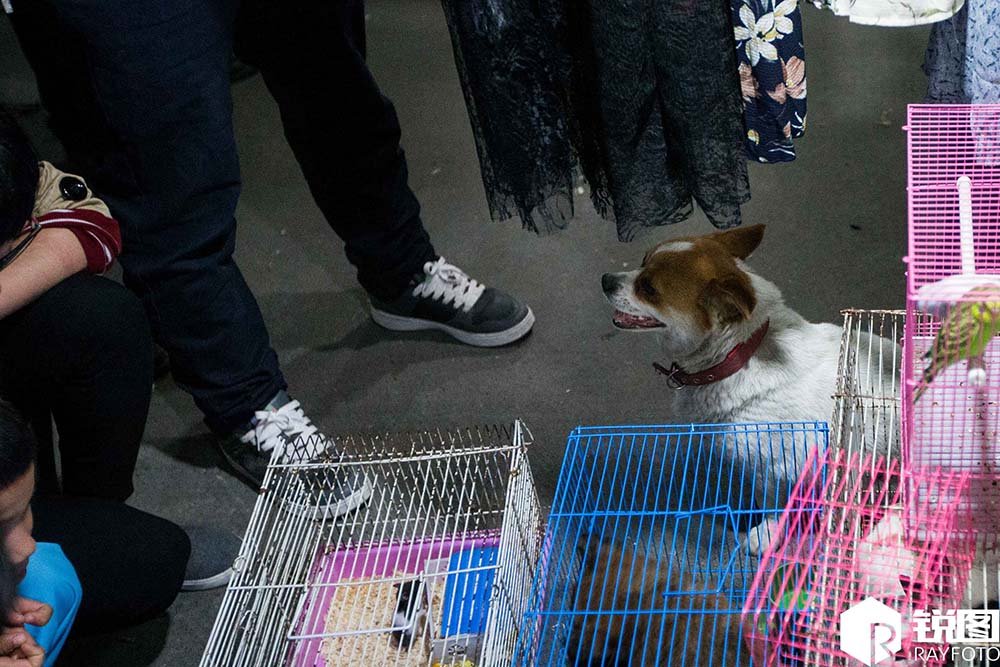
(642, 96)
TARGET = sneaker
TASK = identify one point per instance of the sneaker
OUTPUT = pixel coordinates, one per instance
(213, 552)
(282, 433)
(447, 299)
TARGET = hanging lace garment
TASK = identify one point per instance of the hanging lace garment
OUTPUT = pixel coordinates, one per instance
(893, 13)
(642, 95)
(772, 67)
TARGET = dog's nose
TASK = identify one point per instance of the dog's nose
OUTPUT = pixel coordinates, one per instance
(609, 282)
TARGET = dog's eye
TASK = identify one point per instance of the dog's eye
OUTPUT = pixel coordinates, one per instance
(645, 288)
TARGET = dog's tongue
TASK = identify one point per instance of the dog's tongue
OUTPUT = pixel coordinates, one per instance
(627, 321)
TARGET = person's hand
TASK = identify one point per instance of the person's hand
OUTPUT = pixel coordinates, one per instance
(28, 612)
(19, 649)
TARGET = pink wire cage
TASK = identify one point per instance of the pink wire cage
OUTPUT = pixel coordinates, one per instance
(952, 414)
(845, 554)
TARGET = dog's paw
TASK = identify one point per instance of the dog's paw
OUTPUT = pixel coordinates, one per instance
(977, 377)
(759, 537)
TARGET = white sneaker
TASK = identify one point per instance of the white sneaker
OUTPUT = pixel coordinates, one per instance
(285, 435)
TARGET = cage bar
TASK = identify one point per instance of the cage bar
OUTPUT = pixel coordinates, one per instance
(434, 570)
(952, 388)
(647, 556)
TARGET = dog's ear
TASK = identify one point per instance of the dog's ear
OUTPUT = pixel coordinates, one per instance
(742, 241)
(730, 299)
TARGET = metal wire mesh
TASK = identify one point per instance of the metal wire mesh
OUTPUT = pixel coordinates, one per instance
(646, 558)
(953, 302)
(434, 569)
(874, 503)
(855, 559)
(952, 388)
(946, 143)
(866, 416)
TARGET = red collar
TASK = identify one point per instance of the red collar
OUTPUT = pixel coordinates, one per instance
(734, 362)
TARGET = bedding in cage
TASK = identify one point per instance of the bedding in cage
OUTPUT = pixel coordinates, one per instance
(646, 556)
(434, 570)
(852, 560)
(952, 357)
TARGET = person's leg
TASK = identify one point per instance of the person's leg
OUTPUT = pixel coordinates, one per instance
(83, 351)
(151, 127)
(130, 563)
(343, 130)
(157, 132)
(345, 134)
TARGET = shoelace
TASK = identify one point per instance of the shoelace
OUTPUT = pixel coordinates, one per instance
(450, 284)
(288, 431)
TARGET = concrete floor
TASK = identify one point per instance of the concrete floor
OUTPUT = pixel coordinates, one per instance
(836, 232)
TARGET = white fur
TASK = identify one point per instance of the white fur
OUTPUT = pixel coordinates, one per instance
(674, 246)
(624, 298)
(791, 377)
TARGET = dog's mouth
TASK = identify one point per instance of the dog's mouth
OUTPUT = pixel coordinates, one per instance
(624, 320)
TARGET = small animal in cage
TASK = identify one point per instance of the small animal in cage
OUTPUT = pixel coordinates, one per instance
(965, 331)
(734, 352)
(410, 618)
(692, 628)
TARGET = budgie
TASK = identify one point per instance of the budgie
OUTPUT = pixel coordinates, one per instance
(964, 334)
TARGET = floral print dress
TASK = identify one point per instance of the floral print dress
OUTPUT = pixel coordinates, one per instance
(772, 72)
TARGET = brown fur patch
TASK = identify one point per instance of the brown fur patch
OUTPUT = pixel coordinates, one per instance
(703, 282)
(613, 579)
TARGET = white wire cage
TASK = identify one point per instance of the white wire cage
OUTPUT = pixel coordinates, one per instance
(435, 569)
(866, 415)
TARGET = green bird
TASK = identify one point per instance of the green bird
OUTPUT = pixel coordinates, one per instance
(964, 334)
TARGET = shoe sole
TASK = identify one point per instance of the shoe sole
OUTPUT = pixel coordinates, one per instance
(494, 339)
(327, 511)
(217, 581)
(319, 512)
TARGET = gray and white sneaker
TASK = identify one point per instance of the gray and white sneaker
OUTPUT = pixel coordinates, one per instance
(282, 433)
(210, 564)
(445, 298)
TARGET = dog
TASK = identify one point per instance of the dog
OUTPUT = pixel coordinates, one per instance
(617, 578)
(733, 352)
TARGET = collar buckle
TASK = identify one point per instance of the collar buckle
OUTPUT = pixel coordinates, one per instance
(670, 374)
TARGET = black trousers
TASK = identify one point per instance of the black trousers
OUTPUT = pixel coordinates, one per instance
(82, 353)
(130, 563)
(139, 93)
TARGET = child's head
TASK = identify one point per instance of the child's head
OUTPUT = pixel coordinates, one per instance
(17, 484)
(18, 178)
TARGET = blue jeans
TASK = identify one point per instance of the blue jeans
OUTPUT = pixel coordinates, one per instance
(139, 93)
(51, 579)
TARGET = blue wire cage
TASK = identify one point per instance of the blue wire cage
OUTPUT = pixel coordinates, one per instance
(647, 557)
